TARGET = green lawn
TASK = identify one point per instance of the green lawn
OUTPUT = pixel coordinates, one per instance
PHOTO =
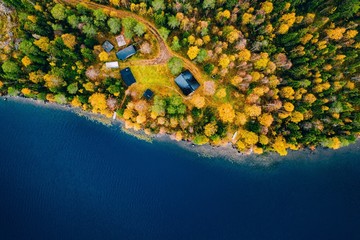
(155, 77)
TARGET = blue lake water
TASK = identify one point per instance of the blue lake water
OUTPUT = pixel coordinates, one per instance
(65, 177)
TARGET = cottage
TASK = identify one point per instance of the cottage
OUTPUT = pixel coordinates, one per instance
(126, 52)
(107, 46)
(120, 40)
(148, 94)
(112, 65)
(187, 83)
(127, 76)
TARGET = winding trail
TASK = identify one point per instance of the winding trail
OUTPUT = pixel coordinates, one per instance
(165, 53)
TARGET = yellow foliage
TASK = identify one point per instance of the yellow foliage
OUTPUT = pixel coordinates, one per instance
(224, 61)
(284, 28)
(25, 91)
(76, 102)
(193, 52)
(250, 138)
(306, 38)
(206, 39)
(288, 19)
(32, 18)
(246, 18)
(226, 14)
(89, 86)
(26, 61)
(191, 39)
(287, 6)
(221, 93)
(42, 43)
(36, 77)
(266, 119)
(69, 40)
(226, 112)
(52, 81)
(199, 42)
(115, 2)
(98, 102)
(351, 33)
(267, 7)
(309, 18)
(210, 129)
(269, 28)
(350, 85)
(240, 119)
(255, 76)
(287, 92)
(140, 119)
(198, 101)
(103, 56)
(258, 150)
(280, 145)
(240, 145)
(288, 106)
(38, 7)
(334, 143)
(1, 84)
(264, 140)
(284, 115)
(244, 55)
(310, 98)
(297, 117)
(233, 36)
(336, 33)
(262, 62)
(50, 97)
(252, 110)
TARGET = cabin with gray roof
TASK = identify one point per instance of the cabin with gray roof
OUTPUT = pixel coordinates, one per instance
(126, 52)
(127, 76)
(187, 83)
(107, 46)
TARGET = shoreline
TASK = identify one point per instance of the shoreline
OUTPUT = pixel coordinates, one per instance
(208, 151)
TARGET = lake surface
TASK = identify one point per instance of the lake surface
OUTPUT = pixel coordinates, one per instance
(65, 177)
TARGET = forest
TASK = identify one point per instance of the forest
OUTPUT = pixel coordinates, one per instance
(275, 75)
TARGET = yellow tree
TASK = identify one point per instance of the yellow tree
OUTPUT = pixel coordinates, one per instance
(69, 40)
(244, 55)
(226, 112)
(103, 56)
(266, 119)
(297, 117)
(198, 101)
(224, 61)
(280, 145)
(287, 92)
(289, 106)
(210, 129)
(26, 61)
(336, 33)
(252, 110)
(98, 102)
(193, 52)
(43, 43)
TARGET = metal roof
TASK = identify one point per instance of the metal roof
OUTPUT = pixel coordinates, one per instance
(107, 46)
(126, 52)
(127, 76)
(187, 83)
(148, 94)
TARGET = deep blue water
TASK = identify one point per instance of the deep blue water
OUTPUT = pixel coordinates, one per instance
(65, 177)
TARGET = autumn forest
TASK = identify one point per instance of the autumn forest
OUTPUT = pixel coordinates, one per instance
(274, 75)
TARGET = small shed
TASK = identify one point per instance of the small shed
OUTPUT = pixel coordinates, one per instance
(112, 65)
(187, 83)
(126, 52)
(148, 94)
(107, 46)
(127, 76)
(120, 40)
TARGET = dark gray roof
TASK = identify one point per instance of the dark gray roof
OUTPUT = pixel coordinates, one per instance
(107, 46)
(127, 76)
(186, 82)
(148, 94)
(126, 52)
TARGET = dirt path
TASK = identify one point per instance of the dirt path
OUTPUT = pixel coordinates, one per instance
(165, 53)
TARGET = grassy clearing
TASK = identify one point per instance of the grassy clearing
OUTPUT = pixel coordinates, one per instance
(155, 77)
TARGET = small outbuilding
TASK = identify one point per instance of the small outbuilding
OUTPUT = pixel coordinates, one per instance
(126, 52)
(187, 83)
(148, 94)
(112, 65)
(120, 40)
(107, 46)
(127, 76)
